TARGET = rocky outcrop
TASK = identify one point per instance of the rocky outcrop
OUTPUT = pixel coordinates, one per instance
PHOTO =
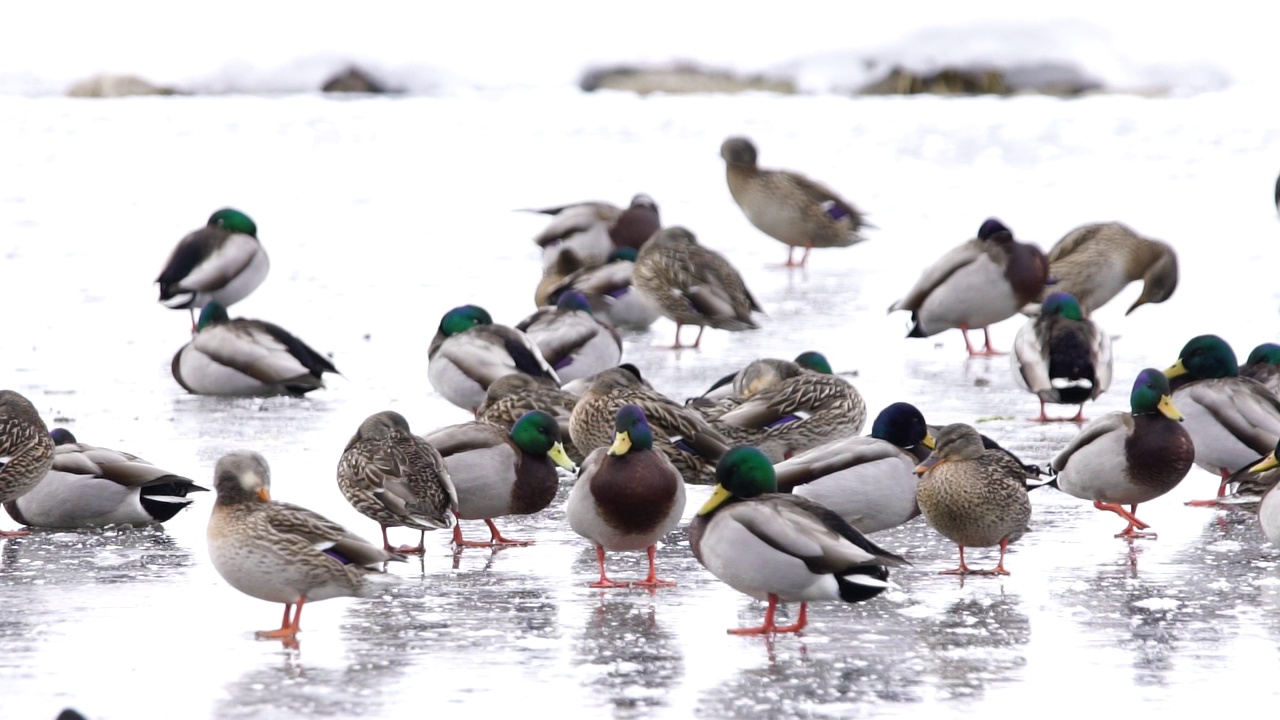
(679, 78)
(353, 80)
(114, 86)
(1044, 79)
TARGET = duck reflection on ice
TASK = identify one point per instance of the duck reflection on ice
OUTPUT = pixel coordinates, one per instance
(625, 655)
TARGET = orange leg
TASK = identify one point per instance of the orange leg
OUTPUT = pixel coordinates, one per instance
(495, 538)
(767, 627)
(14, 533)
(604, 581)
(652, 580)
(1134, 523)
(1222, 491)
(800, 622)
(999, 569)
(288, 628)
(963, 569)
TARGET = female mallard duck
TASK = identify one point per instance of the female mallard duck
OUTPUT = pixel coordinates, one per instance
(469, 352)
(1263, 365)
(792, 414)
(511, 396)
(973, 496)
(498, 473)
(284, 553)
(627, 497)
(246, 358)
(609, 290)
(1129, 458)
(787, 206)
(760, 374)
(571, 339)
(1095, 262)
(977, 284)
(868, 481)
(90, 487)
(1269, 507)
(591, 230)
(688, 441)
(1061, 356)
(693, 285)
(781, 548)
(26, 450)
(1231, 419)
(396, 479)
(223, 261)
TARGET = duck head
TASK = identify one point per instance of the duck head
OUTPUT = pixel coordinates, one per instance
(463, 318)
(1205, 357)
(538, 434)
(903, 425)
(956, 441)
(233, 220)
(631, 431)
(743, 472)
(1151, 394)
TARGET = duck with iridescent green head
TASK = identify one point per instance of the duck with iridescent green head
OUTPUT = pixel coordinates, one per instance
(469, 352)
(1263, 365)
(223, 261)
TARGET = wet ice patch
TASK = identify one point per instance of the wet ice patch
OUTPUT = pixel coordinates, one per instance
(1158, 604)
(1224, 546)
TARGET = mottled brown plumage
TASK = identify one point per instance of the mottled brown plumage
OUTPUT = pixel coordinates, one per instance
(511, 396)
(1095, 262)
(26, 450)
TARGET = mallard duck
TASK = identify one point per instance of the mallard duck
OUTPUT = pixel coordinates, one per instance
(1250, 484)
(396, 479)
(26, 450)
(868, 481)
(469, 352)
(572, 339)
(977, 284)
(1263, 365)
(693, 285)
(1269, 506)
(1061, 356)
(787, 206)
(591, 230)
(498, 473)
(89, 487)
(1231, 419)
(1129, 458)
(790, 414)
(1095, 262)
(760, 374)
(222, 261)
(244, 357)
(511, 396)
(609, 290)
(782, 548)
(284, 553)
(627, 497)
(688, 441)
(973, 496)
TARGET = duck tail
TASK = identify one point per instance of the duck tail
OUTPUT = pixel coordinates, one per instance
(863, 583)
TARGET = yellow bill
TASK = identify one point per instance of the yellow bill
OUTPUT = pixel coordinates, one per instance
(718, 497)
(928, 441)
(560, 457)
(1175, 370)
(1266, 463)
(1167, 409)
(621, 443)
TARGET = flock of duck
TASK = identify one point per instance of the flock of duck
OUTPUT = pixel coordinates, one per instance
(797, 487)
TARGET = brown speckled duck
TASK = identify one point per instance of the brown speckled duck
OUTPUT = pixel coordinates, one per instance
(693, 285)
(1129, 458)
(688, 441)
(973, 496)
(498, 473)
(396, 479)
(510, 397)
(1095, 262)
(977, 284)
(787, 206)
(26, 450)
(627, 497)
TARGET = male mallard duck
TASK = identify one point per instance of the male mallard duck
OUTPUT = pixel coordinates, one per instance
(1061, 356)
(396, 479)
(973, 496)
(284, 553)
(571, 339)
(246, 357)
(688, 441)
(1251, 483)
(868, 481)
(693, 285)
(26, 450)
(1129, 458)
(498, 473)
(1263, 365)
(1269, 507)
(222, 261)
(89, 487)
(791, 414)
(627, 497)
(781, 548)
(511, 396)
(609, 290)
(787, 206)
(1231, 419)
(591, 230)
(1095, 262)
(469, 352)
(977, 284)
